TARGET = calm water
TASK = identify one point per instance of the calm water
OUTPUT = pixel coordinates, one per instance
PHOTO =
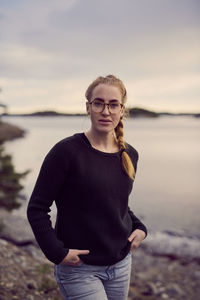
(166, 193)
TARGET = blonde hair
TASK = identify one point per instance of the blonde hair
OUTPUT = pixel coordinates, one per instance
(119, 130)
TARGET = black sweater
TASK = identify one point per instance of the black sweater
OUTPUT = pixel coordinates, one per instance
(91, 191)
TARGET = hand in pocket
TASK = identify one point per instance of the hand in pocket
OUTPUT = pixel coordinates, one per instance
(72, 258)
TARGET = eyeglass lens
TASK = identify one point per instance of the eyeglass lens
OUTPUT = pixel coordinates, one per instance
(99, 106)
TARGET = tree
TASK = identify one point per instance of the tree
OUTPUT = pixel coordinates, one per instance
(10, 185)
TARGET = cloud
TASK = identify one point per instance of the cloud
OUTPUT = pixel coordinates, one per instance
(30, 62)
(170, 93)
(48, 46)
(32, 94)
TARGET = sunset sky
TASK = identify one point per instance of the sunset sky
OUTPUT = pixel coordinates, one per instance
(50, 51)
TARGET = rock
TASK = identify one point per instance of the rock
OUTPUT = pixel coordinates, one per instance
(157, 278)
(9, 131)
(175, 290)
(21, 276)
(164, 296)
(147, 290)
(15, 227)
(174, 246)
(31, 285)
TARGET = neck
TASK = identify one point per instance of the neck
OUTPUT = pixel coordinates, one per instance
(102, 141)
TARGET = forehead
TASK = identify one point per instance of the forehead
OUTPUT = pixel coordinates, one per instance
(106, 92)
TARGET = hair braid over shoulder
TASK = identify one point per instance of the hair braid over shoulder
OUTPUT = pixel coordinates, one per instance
(126, 161)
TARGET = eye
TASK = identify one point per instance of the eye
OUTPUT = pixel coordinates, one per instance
(114, 105)
(98, 103)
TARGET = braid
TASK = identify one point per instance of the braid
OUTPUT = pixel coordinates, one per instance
(126, 161)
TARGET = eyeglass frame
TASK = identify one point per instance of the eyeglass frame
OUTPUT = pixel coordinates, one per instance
(106, 104)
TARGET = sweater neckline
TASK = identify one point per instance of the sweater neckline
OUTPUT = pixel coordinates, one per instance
(88, 144)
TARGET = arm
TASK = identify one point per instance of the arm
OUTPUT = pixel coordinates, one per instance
(48, 185)
(136, 223)
(139, 231)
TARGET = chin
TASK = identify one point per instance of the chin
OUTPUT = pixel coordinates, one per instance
(104, 129)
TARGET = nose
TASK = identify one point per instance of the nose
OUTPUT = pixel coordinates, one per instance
(106, 111)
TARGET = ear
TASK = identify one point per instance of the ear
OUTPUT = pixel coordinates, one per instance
(87, 107)
(122, 112)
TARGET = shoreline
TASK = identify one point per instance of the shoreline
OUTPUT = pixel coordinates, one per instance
(134, 112)
(9, 132)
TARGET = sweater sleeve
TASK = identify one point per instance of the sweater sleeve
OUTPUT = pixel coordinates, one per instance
(136, 223)
(48, 185)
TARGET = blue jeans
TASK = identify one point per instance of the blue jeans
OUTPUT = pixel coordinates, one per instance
(88, 282)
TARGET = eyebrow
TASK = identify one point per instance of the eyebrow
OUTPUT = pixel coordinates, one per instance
(102, 100)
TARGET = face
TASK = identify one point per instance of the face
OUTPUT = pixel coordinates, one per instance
(105, 121)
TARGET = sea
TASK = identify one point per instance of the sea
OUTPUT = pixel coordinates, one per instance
(166, 191)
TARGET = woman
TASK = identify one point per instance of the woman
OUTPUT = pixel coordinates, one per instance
(90, 176)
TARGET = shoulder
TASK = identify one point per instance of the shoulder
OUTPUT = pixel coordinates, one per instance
(133, 153)
(68, 144)
(68, 140)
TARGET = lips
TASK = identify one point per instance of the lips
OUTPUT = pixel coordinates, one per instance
(104, 121)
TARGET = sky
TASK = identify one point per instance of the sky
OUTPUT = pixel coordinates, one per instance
(51, 50)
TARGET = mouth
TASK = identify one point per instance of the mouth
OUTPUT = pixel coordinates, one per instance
(104, 121)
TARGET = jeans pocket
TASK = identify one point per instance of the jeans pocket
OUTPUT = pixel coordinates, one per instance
(66, 272)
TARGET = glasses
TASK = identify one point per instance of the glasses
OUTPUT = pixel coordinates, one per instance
(99, 106)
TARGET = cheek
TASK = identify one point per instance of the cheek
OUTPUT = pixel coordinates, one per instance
(116, 120)
(93, 117)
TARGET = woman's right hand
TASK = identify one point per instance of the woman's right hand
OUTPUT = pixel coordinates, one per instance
(72, 258)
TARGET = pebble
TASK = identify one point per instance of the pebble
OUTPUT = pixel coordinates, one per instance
(147, 290)
(175, 290)
(31, 285)
(164, 296)
(9, 285)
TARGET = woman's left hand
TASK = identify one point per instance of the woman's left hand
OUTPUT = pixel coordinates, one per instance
(136, 237)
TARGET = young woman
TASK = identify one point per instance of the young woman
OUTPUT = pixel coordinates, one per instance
(90, 176)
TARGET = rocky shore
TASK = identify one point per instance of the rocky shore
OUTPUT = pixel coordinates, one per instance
(26, 274)
(9, 131)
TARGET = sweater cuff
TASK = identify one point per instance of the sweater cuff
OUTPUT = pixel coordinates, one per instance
(60, 256)
(143, 228)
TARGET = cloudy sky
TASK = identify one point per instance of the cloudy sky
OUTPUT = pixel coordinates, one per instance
(50, 51)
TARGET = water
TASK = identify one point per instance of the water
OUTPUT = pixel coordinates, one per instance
(166, 192)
